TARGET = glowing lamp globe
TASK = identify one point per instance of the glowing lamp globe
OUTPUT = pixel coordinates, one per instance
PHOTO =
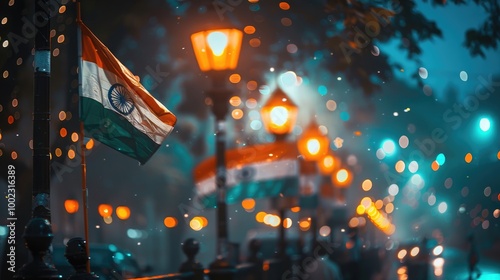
(217, 49)
(328, 164)
(342, 178)
(105, 210)
(71, 206)
(313, 144)
(279, 113)
(122, 212)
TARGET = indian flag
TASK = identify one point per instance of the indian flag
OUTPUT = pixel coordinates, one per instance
(267, 170)
(115, 108)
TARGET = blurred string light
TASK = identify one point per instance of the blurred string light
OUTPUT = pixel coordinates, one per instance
(464, 76)
(272, 220)
(248, 204)
(305, 224)
(170, 222)
(413, 166)
(287, 223)
(259, 217)
(468, 158)
(431, 200)
(251, 85)
(331, 105)
(366, 185)
(423, 73)
(440, 159)
(325, 231)
(379, 219)
(237, 114)
(400, 166)
(435, 166)
(249, 29)
(393, 189)
(402, 254)
(414, 251)
(442, 207)
(438, 250)
(284, 6)
(198, 223)
(123, 212)
(234, 78)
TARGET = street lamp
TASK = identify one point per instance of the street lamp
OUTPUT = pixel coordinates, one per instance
(279, 115)
(313, 144)
(217, 51)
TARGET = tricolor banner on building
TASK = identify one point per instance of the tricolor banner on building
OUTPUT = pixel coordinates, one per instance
(115, 108)
(259, 171)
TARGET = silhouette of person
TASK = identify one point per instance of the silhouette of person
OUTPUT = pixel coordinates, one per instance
(473, 258)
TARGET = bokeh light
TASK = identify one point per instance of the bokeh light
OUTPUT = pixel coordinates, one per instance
(366, 185)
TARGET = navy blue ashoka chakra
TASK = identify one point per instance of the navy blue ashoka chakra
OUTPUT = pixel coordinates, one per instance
(120, 99)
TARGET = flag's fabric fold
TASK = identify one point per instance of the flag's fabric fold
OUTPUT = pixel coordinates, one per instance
(115, 108)
(266, 170)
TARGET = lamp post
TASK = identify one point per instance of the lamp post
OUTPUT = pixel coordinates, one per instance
(217, 51)
(279, 115)
(313, 145)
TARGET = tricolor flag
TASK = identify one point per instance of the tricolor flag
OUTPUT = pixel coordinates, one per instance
(268, 170)
(115, 108)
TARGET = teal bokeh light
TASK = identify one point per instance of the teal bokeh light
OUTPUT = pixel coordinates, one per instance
(484, 124)
(389, 147)
(440, 159)
(345, 116)
(322, 90)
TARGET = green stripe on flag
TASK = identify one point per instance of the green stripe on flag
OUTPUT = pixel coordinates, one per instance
(286, 187)
(113, 130)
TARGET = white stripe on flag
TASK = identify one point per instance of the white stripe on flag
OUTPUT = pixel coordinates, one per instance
(96, 83)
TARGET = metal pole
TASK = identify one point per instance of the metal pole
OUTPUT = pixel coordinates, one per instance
(38, 232)
(220, 98)
(222, 233)
(41, 113)
(282, 237)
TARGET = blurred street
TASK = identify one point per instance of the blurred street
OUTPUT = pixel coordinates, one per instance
(454, 267)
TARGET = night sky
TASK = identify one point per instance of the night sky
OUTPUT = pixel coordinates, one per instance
(438, 110)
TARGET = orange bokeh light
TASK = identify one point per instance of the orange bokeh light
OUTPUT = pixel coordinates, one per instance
(123, 212)
(170, 222)
(105, 210)
(71, 206)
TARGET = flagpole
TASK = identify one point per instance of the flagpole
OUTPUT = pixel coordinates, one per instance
(82, 140)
